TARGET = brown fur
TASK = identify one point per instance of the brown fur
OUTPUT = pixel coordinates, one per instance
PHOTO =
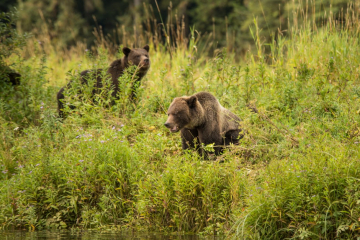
(138, 57)
(10, 76)
(202, 120)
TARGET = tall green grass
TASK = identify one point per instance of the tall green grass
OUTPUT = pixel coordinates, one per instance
(294, 175)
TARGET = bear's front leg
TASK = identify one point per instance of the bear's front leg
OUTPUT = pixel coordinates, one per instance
(189, 139)
(211, 136)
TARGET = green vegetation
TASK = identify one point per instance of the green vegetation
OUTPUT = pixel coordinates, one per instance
(294, 175)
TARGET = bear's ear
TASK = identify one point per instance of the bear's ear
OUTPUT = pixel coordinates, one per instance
(126, 51)
(147, 48)
(192, 101)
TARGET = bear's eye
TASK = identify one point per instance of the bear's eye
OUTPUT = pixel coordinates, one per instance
(146, 55)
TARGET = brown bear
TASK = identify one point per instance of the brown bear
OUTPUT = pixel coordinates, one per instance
(137, 56)
(202, 120)
(9, 75)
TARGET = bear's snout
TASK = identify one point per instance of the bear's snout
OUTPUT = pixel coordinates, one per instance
(172, 127)
(144, 62)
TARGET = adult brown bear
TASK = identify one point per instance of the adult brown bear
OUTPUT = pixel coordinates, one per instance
(137, 56)
(202, 120)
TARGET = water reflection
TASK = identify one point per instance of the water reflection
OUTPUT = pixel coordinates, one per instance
(95, 235)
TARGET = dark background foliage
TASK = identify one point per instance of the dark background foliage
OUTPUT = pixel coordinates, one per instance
(227, 21)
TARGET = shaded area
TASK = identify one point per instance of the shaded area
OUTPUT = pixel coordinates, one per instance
(226, 23)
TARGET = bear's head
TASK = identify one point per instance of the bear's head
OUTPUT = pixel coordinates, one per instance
(184, 112)
(138, 57)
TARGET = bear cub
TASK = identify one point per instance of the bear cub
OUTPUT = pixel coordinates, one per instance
(137, 56)
(202, 120)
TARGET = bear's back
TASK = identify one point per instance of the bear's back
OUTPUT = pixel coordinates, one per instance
(207, 100)
(225, 118)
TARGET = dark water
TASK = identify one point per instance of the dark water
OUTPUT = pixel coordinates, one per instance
(95, 235)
